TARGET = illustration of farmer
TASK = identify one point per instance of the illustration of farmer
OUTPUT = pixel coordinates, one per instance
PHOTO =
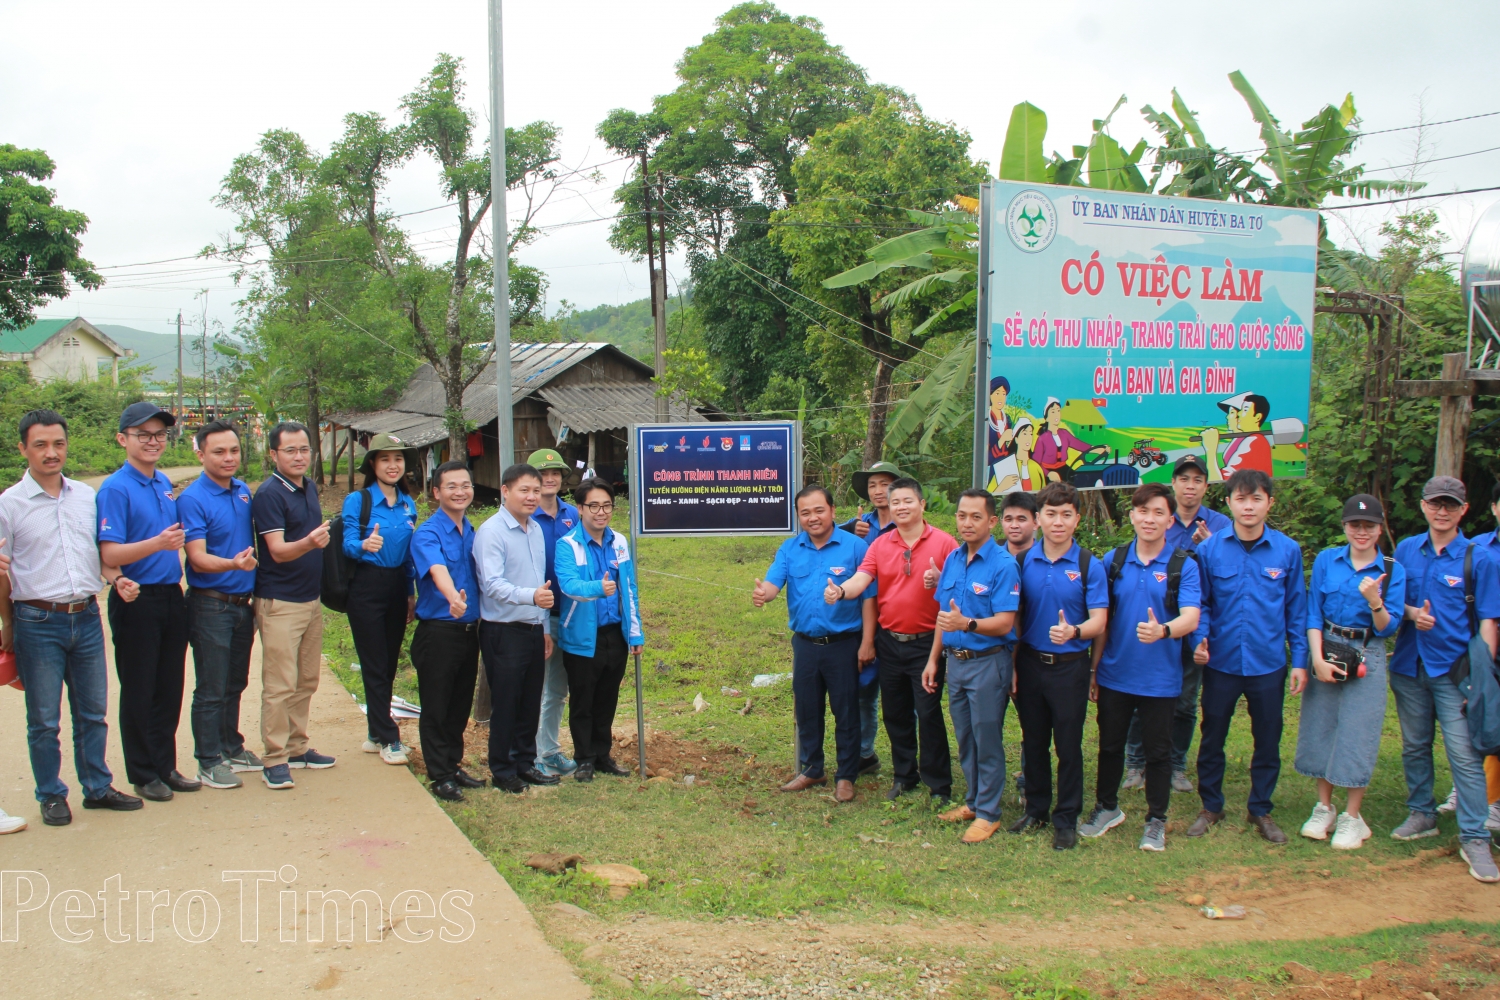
(1002, 435)
(1054, 441)
(1246, 447)
(1019, 472)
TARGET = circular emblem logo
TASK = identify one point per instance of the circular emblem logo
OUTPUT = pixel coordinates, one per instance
(1031, 221)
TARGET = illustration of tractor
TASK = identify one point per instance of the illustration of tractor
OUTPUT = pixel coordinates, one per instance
(1145, 456)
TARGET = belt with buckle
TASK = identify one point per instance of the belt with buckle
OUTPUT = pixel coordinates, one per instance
(243, 600)
(448, 623)
(1362, 635)
(971, 654)
(523, 626)
(56, 608)
(826, 640)
(909, 636)
(1052, 659)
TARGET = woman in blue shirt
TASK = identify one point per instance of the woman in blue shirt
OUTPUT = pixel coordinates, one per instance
(1338, 737)
(381, 595)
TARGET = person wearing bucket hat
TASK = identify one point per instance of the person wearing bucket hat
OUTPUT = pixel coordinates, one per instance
(871, 484)
(379, 521)
(557, 518)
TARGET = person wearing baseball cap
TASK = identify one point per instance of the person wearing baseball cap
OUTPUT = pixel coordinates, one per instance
(1349, 602)
(379, 521)
(557, 518)
(1442, 568)
(141, 535)
(872, 484)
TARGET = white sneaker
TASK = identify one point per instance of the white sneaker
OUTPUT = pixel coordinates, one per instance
(393, 753)
(11, 824)
(1321, 823)
(1351, 834)
(1450, 804)
(1493, 823)
(370, 746)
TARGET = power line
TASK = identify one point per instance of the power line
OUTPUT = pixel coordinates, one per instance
(1415, 197)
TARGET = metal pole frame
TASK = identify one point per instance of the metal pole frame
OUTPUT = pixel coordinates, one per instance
(982, 338)
(1492, 338)
(505, 428)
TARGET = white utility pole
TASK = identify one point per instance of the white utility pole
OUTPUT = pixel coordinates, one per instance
(499, 226)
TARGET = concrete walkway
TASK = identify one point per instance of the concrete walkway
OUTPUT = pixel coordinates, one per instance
(123, 896)
(178, 474)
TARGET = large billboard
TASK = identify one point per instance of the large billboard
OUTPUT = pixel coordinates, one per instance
(1128, 330)
(714, 479)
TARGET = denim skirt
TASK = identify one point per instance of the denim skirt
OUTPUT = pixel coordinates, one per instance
(1338, 734)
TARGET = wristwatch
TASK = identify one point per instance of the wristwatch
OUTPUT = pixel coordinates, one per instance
(1166, 630)
(1077, 631)
(973, 625)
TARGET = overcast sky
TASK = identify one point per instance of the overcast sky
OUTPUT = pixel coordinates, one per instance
(144, 106)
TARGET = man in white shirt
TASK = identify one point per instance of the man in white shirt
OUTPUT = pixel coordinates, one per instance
(50, 618)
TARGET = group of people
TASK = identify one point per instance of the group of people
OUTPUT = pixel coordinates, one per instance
(1164, 635)
(543, 593)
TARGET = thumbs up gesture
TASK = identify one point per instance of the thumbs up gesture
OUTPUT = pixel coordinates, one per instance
(1369, 589)
(861, 526)
(1150, 630)
(930, 574)
(1062, 631)
(610, 587)
(763, 593)
(1425, 621)
(952, 620)
(543, 597)
(832, 593)
(459, 606)
(374, 543)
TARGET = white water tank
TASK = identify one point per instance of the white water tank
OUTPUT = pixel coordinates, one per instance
(1482, 263)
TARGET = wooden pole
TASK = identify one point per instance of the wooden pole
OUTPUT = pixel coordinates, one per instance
(1453, 422)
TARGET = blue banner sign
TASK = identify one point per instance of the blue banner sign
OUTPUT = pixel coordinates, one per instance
(714, 478)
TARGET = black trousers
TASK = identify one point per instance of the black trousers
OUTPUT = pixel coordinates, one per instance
(831, 670)
(1155, 714)
(1052, 701)
(912, 715)
(594, 693)
(377, 617)
(446, 655)
(150, 637)
(515, 664)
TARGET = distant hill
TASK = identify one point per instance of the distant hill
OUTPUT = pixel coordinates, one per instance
(159, 350)
(627, 326)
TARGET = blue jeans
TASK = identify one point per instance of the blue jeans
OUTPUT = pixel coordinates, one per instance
(869, 710)
(1264, 696)
(978, 692)
(554, 691)
(221, 635)
(1421, 701)
(54, 648)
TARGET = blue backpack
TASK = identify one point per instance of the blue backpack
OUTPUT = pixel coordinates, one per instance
(1475, 675)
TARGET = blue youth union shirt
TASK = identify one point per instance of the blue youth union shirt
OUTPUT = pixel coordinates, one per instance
(398, 522)
(1181, 536)
(133, 507)
(1154, 669)
(1334, 593)
(1049, 586)
(1439, 577)
(554, 528)
(987, 585)
(601, 560)
(804, 570)
(1256, 601)
(220, 517)
(873, 520)
(440, 542)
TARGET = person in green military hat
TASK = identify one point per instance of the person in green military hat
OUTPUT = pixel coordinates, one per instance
(379, 521)
(557, 517)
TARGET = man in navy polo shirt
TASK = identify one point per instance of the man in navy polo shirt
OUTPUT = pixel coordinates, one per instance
(1256, 600)
(1434, 635)
(829, 641)
(1139, 671)
(1065, 606)
(215, 511)
(140, 534)
(978, 593)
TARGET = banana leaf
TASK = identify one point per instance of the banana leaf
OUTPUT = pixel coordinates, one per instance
(1021, 157)
(943, 398)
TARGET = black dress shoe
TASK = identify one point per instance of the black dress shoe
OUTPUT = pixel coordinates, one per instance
(156, 791)
(179, 782)
(1064, 838)
(113, 799)
(534, 777)
(898, 790)
(585, 772)
(513, 785)
(869, 765)
(463, 779)
(55, 811)
(448, 791)
(608, 766)
(1026, 824)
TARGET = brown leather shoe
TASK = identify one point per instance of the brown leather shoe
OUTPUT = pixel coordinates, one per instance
(802, 782)
(843, 790)
(979, 831)
(1205, 820)
(1267, 828)
(960, 815)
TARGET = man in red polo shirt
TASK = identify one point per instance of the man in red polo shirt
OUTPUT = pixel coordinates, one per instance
(906, 611)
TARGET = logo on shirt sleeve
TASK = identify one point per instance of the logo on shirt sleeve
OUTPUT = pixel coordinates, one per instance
(1453, 581)
(1072, 574)
(1015, 591)
(1275, 572)
(1160, 577)
(103, 525)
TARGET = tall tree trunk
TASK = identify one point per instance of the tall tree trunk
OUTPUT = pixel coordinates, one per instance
(453, 388)
(880, 404)
(314, 420)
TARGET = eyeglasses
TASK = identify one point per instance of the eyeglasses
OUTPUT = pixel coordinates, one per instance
(150, 437)
(598, 508)
(906, 562)
(295, 452)
(1443, 503)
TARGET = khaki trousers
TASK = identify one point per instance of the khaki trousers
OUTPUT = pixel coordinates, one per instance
(291, 649)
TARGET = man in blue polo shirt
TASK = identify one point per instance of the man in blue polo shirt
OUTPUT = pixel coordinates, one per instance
(220, 541)
(557, 517)
(828, 640)
(978, 593)
(1255, 598)
(872, 484)
(140, 534)
(1065, 606)
(1139, 671)
(445, 648)
(1434, 635)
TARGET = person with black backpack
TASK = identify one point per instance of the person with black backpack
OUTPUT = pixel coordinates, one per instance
(1153, 607)
(1343, 708)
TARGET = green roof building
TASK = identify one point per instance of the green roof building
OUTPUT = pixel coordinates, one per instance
(72, 349)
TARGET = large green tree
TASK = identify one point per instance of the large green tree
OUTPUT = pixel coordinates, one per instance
(39, 240)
